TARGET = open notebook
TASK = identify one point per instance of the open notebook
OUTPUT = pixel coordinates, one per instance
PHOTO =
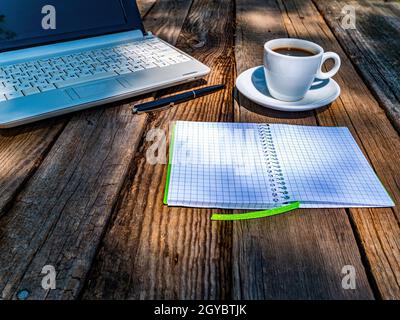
(260, 166)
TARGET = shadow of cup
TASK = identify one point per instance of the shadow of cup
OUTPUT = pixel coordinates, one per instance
(259, 83)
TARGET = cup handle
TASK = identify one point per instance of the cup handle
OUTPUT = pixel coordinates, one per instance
(332, 72)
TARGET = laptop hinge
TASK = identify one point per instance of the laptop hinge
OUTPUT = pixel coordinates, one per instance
(62, 47)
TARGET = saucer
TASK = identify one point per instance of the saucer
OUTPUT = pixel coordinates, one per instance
(251, 83)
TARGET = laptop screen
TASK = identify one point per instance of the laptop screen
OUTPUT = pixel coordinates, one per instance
(25, 23)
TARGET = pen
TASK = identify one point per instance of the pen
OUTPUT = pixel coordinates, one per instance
(170, 101)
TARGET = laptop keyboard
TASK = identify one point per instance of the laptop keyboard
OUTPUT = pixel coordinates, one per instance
(34, 77)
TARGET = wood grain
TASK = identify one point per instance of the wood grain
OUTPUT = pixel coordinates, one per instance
(145, 6)
(77, 192)
(157, 252)
(61, 215)
(21, 152)
(298, 255)
(373, 46)
(377, 229)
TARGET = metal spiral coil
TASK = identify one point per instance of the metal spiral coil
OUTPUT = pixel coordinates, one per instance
(275, 174)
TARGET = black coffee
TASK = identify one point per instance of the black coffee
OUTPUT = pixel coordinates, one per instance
(295, 52)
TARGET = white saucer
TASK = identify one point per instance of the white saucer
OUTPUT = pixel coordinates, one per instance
(251, 83)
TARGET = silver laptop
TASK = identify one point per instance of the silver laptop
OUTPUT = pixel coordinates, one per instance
(59, 56)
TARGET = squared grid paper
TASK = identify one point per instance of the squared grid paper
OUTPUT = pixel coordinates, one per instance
(223, 165)
(218, 165)
(324, 167)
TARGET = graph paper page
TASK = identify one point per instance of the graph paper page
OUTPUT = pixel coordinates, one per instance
(218, 165)
(324, 167)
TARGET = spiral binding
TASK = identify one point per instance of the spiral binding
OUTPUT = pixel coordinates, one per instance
(275, 174)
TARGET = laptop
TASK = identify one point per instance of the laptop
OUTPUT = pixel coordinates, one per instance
(60, 56)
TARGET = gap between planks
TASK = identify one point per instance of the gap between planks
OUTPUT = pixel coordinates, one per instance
(178, 242)
(85, 145)
(378, 228)
(320, 241)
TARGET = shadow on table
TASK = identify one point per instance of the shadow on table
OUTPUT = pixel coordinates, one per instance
(42, 126)
(192, 85)
(253, 107)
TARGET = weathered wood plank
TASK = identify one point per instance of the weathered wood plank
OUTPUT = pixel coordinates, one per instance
(162, 16)
(298, 255)
(373, 46)
(21, 152)
(145, 6)
(377, 229)
(60, 216)
(156, 252)
(58, 219)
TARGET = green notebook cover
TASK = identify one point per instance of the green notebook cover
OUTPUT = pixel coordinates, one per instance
(171, 148)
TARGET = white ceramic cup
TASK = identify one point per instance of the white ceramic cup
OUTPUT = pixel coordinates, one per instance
(290, 77)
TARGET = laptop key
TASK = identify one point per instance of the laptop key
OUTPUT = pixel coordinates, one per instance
(14, 95)
(123, 71)
(39, 83)
(94, 77)
(4, 90)
(55, 79)
(98, 71)
(136, 68)
(70, 76)
(28, 92)
(47, 87)
(11, 83)
(149, 65)
(23, 86)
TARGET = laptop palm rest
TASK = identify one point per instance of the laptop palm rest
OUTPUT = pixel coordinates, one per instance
(97, 89)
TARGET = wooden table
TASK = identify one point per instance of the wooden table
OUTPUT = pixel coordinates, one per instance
(77, 193)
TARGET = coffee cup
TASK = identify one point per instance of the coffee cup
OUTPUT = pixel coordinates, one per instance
(291, 65)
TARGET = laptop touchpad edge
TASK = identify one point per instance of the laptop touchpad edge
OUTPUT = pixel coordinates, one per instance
(98, 89)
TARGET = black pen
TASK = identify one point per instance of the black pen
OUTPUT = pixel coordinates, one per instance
(170, 101)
